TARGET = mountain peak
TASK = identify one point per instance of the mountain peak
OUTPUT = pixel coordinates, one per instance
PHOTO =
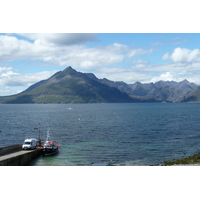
(70, 86)
(185, 81)
(69, 70)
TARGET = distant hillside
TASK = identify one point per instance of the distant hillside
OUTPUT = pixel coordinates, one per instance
(69, 86)
(193, 97)
(168, 91)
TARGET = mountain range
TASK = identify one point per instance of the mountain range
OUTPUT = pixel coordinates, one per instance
(161, 91)
(70, 86)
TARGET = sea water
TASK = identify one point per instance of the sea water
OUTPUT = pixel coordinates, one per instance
(108, 134)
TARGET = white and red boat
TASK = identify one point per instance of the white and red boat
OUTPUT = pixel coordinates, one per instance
(50, 147)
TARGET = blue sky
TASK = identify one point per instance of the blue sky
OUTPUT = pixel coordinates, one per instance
(145, 57)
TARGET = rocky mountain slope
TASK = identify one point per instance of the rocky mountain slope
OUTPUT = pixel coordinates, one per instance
(193, 97)
(168, 91)
(70, 86)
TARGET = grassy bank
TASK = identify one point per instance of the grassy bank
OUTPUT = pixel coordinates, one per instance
(194, 159)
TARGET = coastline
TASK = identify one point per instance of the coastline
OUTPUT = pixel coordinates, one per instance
(193, 160)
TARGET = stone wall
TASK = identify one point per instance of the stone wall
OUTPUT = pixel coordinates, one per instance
(21, 160)
(10, 149)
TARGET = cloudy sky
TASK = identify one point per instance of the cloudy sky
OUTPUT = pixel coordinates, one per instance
(27, 58)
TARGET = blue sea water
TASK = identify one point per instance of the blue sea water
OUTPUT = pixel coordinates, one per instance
(117, 134)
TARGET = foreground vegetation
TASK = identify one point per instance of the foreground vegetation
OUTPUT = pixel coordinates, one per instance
(194, 159)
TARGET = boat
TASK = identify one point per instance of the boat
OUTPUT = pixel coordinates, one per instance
(50, 147)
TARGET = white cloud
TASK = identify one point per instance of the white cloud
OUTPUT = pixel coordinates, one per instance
(127, 74)
(50, 48)
(140, 64)
(185, 65)
(176, 40)
(69, 50)
(178, 76)
(144, 72)
(166, 56)
(5, 69)
(159, 43)
(9, 79)
(29, 79)
(140, 61)
(61, 38)
(135, 52)
(83, 57)
(183, 55)
(167, 76)
(12, 48)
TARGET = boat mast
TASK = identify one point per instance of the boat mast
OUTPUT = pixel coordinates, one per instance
(39, 140)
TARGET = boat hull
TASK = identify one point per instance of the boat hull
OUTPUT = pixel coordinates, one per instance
(48, 152)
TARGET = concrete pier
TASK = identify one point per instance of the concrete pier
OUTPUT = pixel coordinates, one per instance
(10, 149)
(14, 156)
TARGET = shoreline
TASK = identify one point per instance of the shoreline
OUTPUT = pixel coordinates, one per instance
(193, 160)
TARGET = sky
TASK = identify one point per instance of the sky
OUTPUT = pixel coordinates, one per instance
(26, 58)
(118, 40)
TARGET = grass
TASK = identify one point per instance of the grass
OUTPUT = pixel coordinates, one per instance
(194, 159)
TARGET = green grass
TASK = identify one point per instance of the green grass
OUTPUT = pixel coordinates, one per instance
(57, 99)
(194, 159)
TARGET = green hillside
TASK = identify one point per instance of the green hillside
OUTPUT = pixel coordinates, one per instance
(69, 86)
(193, 97)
